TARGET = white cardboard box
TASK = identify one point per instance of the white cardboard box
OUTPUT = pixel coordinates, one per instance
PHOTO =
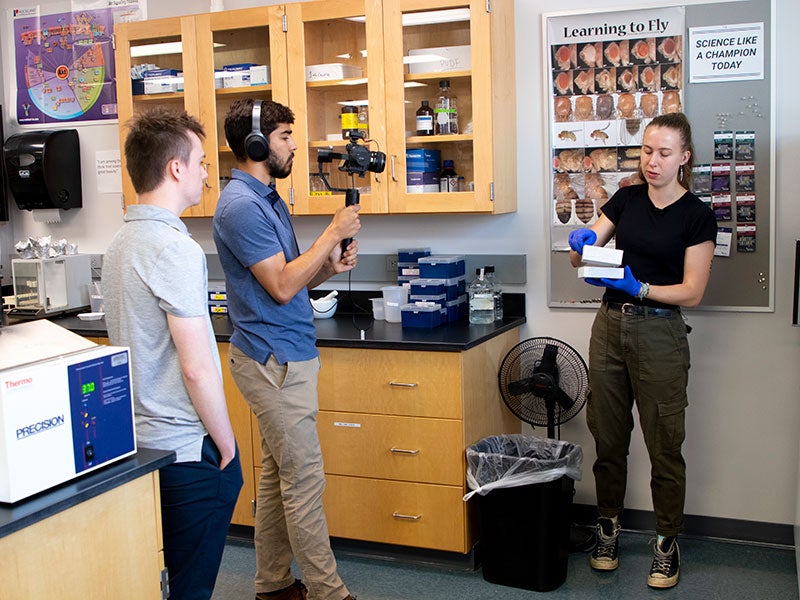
(245, 75)
(597, 272)
(451, 58)
(601, 256)
(332, 71)
(260, 75)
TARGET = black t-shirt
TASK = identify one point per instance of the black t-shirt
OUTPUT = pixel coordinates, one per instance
(654, 240)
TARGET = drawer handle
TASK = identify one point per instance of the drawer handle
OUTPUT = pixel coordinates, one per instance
(403, 517)
(401, 384)
(402, 451)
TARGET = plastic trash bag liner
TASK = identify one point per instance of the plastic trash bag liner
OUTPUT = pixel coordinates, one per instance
(504, 461)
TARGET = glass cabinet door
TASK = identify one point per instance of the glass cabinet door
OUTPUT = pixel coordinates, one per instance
(144, 46)
(240, 54)
(336, 80)
(439, 106)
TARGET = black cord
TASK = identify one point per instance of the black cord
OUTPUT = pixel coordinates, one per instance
(357, 306)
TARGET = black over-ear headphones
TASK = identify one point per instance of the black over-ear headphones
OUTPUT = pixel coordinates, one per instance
(256, 145)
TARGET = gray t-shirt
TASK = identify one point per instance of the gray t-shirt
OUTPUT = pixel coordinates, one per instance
(152, 267)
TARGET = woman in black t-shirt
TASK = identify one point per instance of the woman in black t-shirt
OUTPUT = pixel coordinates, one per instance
(638, 351)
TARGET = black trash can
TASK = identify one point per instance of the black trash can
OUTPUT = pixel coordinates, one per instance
(524, 486)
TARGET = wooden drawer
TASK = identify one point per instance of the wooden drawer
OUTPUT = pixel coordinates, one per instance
(393, 512)
(391, 382)
(390, 447)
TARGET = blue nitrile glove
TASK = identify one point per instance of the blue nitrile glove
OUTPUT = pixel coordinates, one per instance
(580, 237)
(628, 284)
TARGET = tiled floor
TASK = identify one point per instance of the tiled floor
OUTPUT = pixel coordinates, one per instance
(709, 570)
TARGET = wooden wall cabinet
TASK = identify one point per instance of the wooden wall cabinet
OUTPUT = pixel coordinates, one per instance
(375, 36)
(207, 43)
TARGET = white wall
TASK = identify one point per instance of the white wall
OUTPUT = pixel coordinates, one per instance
(744, 412)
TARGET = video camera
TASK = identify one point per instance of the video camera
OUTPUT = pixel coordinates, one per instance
(357, 160)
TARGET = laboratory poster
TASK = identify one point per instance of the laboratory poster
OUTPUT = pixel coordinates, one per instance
(609, 74)
(65, 61)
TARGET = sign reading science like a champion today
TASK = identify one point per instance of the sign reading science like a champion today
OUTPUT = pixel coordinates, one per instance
(726, 53)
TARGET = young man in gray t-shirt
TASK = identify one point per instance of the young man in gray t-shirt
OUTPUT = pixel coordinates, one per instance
(155, 288)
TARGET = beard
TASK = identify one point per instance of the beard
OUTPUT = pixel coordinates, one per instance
(278, 169)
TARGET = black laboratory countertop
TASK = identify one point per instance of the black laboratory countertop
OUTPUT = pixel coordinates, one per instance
(344, 330)
(24, 513)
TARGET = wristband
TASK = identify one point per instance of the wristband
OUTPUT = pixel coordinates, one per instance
(643, 291)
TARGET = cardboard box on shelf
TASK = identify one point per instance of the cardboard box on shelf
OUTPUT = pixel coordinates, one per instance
(449, 58)
(163, 81)
(244, 75)
(332, 71)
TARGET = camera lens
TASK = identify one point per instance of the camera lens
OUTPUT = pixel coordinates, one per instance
(377, 162)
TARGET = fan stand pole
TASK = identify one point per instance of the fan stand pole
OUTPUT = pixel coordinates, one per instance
(550, 404)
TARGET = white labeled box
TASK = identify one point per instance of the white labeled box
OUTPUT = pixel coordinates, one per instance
(260, 75)
(244, 75)
(332, 71)
(163, 81)
(441, 60)
(600, 256)
(598, 272)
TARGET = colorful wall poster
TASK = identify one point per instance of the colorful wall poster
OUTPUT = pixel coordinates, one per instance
(65, 62)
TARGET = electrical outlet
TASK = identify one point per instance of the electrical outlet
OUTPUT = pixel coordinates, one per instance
(391, 263)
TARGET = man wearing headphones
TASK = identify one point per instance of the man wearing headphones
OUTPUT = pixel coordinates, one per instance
(273, 355)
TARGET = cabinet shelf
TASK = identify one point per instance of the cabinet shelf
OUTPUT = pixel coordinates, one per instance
(243, 92)
(336, 83)
(438, 139)
(327, 143)
(156, 98)
(438, 76)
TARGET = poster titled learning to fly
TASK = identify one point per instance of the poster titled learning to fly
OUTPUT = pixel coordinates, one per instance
(609, 74)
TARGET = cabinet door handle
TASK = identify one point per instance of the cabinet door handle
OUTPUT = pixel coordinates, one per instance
(401, 384)
(394, 178)
(403, 517)
(402, 451)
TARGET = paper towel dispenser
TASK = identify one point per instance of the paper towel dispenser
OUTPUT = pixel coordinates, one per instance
(44, 169)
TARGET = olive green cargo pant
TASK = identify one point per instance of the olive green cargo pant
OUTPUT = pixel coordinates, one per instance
(641, 359)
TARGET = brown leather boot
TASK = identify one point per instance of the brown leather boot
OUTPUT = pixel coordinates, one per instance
(296, 591)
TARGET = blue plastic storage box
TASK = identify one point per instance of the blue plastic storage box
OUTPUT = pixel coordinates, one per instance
(411, 255)
(442, 267)
(422, 316)
(456, 310)
(428, 287)
(455, 287)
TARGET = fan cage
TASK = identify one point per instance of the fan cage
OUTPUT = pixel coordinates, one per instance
(522, 362)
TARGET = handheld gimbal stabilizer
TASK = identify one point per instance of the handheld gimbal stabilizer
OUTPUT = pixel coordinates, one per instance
(356, 160)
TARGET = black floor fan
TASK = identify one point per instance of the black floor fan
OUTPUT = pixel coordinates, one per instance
(544, 381)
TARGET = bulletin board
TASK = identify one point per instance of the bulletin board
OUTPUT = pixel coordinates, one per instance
(608, 73)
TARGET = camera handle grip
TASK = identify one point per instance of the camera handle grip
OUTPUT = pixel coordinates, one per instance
(351, 197)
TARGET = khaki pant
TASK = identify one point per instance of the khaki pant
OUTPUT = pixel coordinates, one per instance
(290, 521)
(641, 359)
